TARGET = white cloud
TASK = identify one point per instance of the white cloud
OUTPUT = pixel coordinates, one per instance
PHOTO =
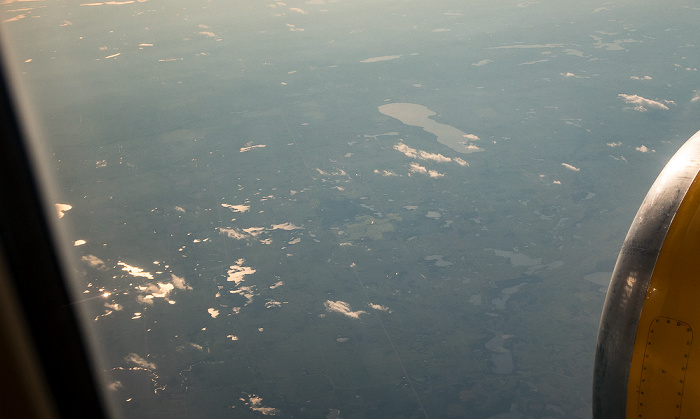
(285, 226)
(382, 58)
(180, 283)
(250, 146)
(236, 273)
(570, 167)
(417, 168)
(254, 232)
(343, 308)
(62, 208)
(94, 262)
(255, 404)
(134, 358)
(420, 154)
(232, 233)
(424, 155)
(134, 271)
(482, 62)
(114, 306)
(379, 307)
(570, 74)
(237, 208)
(151, 291)
(643, 104)
(115, 385)
(385, 172)
(534, 62)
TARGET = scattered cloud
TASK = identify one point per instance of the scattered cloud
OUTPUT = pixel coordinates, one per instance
(420, 154)
(249, 146)
(136, 359)
(284, 226)
(114, 306)
(424, 155)
(116, 385)
(534, 62)
(417, 168)
(644, 149)
(232, 233)
(236, 273)
(151, 291)
(379, 307)
(179, 282)
(570, 74)
(482, 62)
(382, 58)
(643, 104)
(254, 232)
(62, 209)
(342, 308)
(237, 208)
(460, 162)
(94, 262)
(255, 404)
(134, 271)
(385, 172)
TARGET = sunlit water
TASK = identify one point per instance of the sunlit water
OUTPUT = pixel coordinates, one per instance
(351, 208)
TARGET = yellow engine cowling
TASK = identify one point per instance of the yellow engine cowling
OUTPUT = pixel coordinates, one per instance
(646, 363)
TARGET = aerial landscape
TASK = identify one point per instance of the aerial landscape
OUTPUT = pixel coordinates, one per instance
(349, 209)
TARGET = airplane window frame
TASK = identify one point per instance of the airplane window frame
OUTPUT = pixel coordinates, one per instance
(37, 277)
